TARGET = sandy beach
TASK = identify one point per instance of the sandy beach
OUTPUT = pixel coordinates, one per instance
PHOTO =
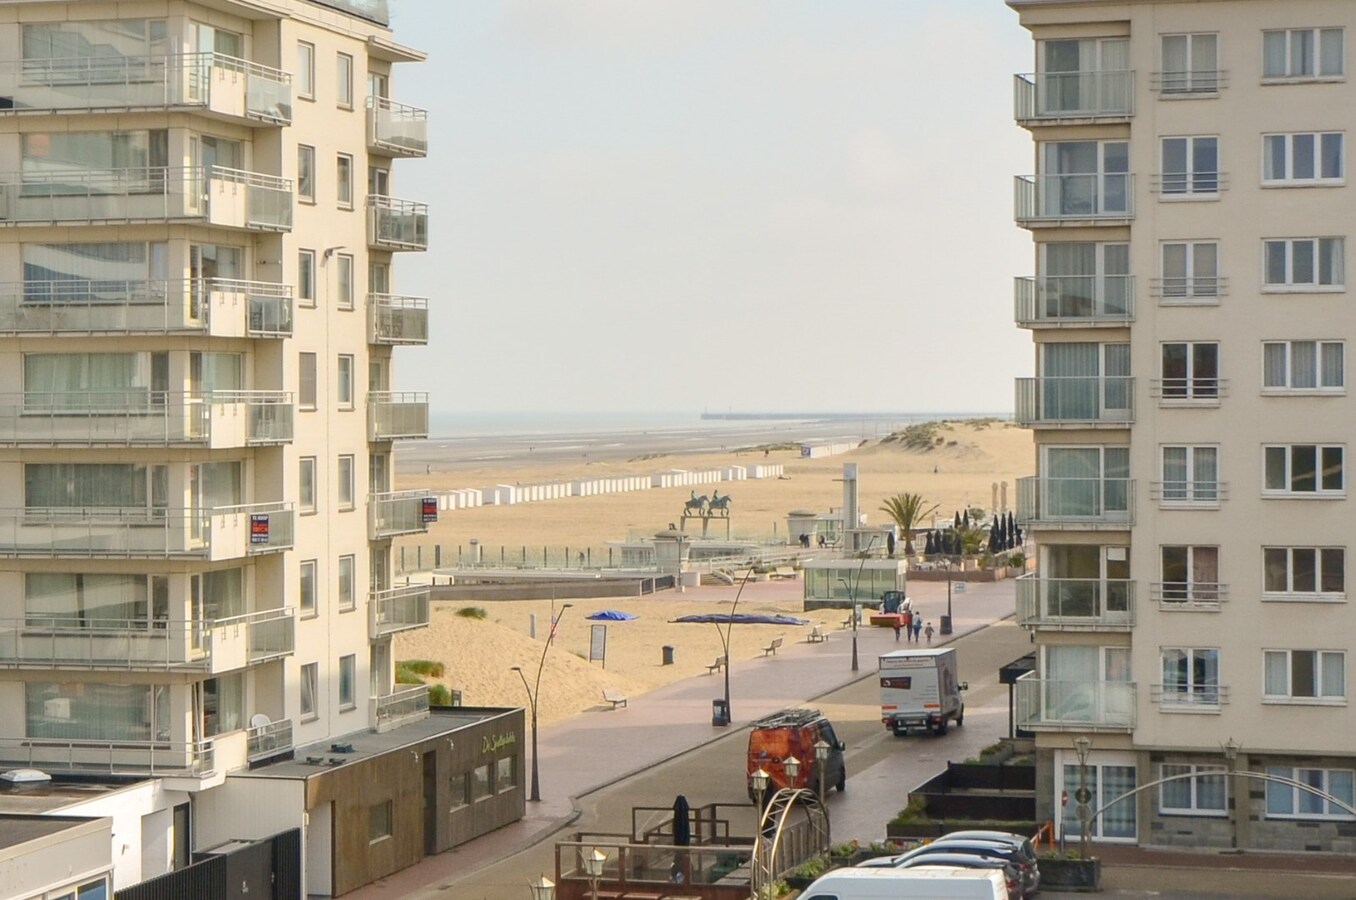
(478, 653)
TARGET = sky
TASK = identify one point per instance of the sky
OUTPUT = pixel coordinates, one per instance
(688, 205)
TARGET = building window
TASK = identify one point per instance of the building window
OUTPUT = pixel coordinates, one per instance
(1304, 469)
(1190, 676)
(1304, 366)
(1191, 475)
(344, 289)
(345, 470)
(306, 277)
(1304, 263)
(480, 783)
(344, 390)
(1302, 158)
(1287, 802)
(1190, 166)
(378, 821)
(306, 596)
(310, 683)
(347, 666)
(306, 381)
(1190, 574)
(305, 75)
(344, 73)
(305, 173)
(346, 564)
(1190, 372)
(306, 481)
(1190, 64)
(343, 180)
(459, 790)
(1303, 53)
(1304, 573)
(1191, 271)
(1305, 675)
(1189, 793)
(504, 770)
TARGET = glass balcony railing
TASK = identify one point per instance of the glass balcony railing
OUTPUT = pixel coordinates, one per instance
(1060, 96)
(1075, 603)
(399, 707)
(398, 609)
(268, 739)
(1082, 401)
(394, 129)
(1077, 301)
(141, 417)
(396, 224)
(221, 85)
(219, 307)
(221, 533)
(1075, 502)
(1045, 705)
(397, 320)
(230, 198)
(164, 758)
(1052, 199)
(393, 416)
(400, 512)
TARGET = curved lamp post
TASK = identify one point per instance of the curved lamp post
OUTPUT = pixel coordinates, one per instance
(542, 889)
(533, 692)
(1082, 744)
(725, 644)
(855, 584)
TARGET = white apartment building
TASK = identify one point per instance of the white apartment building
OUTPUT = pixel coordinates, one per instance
(1189, 305)
(200, 222)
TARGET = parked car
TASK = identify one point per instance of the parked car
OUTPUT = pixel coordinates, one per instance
(930, 882)
(1017, 841)
(1012, 871)
(970, 847)
(794, 732)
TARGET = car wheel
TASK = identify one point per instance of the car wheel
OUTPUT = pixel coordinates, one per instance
(842, 780)
(900, 732)
(960, 717)
(941, 728)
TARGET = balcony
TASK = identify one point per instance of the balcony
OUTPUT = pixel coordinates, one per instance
(229, 198)
(1187, 84)
(396, 224)
(397, 320)
(220, 86)
(1189, 596)
(1195, 494)
(146, 645)
(1075, 604)
(138, 417)
(1194, 290)
(193, 759)
(1188, 391)
(397, 609)
(1076, 503)
(397, 416)
(394, 129)
(1044, 705)
(399, 512)
(1075, 200)
(1205, 698)
(1075, 301)
(268, 739)
(222, 533)
(1063, 98)
(405, 705)
(1105, 401)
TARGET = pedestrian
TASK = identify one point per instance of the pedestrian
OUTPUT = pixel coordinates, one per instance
(908, 625)
(917, 625)
(898, 624)
(928, 632)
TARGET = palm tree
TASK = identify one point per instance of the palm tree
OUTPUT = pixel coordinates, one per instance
(907, 512)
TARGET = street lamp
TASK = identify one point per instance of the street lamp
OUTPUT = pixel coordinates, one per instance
(946, 623)
(725, 643)
(791, 766)
(593, 867)
(822, 750)
(856, 613)
(542, 889)
(1082, 744)
(760, 780)
(533, 692)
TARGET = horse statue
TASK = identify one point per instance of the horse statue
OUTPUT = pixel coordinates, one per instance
(695, 506)
(719, 503)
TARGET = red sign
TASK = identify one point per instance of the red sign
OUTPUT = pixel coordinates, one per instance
(259, 529)
(430, 509)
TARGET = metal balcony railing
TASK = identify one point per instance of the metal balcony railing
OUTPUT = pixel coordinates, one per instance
(1194, 697)
(399, 512)
(1091, 400)
(223, 85)
(396, 224)
(269, 633)
(394, 129)
(138, 416)
(402, 705)
(1077, 301)
(1204, 290)
(266, 740)
(1199, 81)
(168, 758)
(1194, 391)
(395, 416)
(1189, 493)
(398, 609)
(1046, 705)
(1052, 199)
(221, 533)
(1060, 96)
(397, 319)
(1076, 502)
(1189, 596)
(1076, 603)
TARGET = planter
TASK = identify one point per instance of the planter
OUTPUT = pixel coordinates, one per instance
(1081, 875)
(798, 882)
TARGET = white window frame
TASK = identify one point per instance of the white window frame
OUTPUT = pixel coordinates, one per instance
(1193, 695)
(346, 573)
(1337, 254)
(1297, 773)
(349, 661)
(343, 372)
(305, 78)
(1321, 696)
(306, 278)
(1190, 492)
(308, 609)
(1191, 286)
(1316, 50)
(1268, 451)
(1191, 81)
(1197, 774)
(1190, 591)
(344, 482)
(306, 485)
(1284, 143)
(305, 164)
(344, 277)
(1190, 183)
(307, 384)
(343, 183)
(310, 677)
(1066, 820)
(1321, 351)
(1189, 391)
(343, 72)
(1324, 561)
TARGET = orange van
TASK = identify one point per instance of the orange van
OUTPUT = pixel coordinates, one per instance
(794, 732)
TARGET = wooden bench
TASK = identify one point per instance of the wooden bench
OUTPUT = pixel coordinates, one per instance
(816, 636)
(785, 572)
(771, 649)
(616, 698)
(716, 666)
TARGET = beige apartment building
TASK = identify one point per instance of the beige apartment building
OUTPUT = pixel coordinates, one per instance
(200, 231)
(1189, 306)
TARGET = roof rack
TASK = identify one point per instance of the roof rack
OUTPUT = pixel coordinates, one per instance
(788, 717)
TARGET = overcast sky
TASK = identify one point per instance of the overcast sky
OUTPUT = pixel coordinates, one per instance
(678, 205)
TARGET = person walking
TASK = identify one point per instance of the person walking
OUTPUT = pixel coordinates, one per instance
(898, 625)
(928, 632)
(917, 625)
(908, 625)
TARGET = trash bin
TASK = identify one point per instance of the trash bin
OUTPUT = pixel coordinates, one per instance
(946, 625)
(668, 655)
(720, 713)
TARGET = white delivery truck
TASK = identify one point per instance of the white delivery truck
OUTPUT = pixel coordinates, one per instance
(924, 883)
(920, 689)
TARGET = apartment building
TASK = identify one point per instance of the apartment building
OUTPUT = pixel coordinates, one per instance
(200, 230)
(1189, 309)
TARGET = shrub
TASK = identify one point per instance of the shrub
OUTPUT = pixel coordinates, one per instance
(1017, 560)
(472, 612)
(916, 811)
(439, 695)
(429, 667)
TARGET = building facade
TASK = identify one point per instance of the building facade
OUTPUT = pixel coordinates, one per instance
(1191, 417)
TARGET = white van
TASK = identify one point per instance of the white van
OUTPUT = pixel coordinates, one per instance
(921, 883)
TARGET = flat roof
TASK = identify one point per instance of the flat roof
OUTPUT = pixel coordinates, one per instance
(19, 829)
(58, 793)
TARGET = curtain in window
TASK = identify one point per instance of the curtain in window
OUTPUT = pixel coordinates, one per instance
(1116, 384)
(1334, 674)
(1070, 384)
(1072, 481)
(91, 273)
(1333, 364)
(1117, 820)
(85, 381)
(1276, 673)
(1205, 474)
(1116, 283)
(1174, 473)
(1114, 86)
(84, 485)
(1070, 280)
(220, 484)
(90, 711)
(1274, 368)
(308, 689)
(1072, 680)
(1303, 364)
(1070, 178)
(85, 162)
